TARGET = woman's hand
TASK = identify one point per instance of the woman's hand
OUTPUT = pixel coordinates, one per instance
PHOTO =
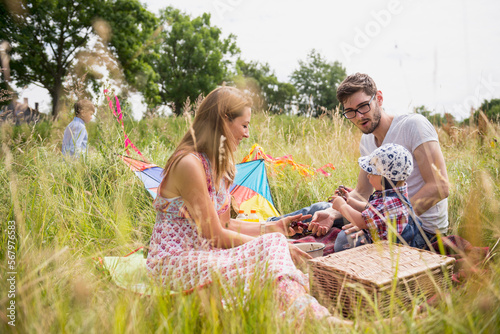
(299, 257)
(283, 225)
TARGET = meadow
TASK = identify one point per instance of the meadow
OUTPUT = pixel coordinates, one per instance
(67, 213)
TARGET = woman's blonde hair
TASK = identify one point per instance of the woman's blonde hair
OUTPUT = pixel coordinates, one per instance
(210, 133)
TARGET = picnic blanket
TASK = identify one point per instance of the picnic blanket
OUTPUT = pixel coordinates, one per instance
(129, 272)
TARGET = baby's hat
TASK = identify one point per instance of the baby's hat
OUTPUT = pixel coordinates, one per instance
(392, 161)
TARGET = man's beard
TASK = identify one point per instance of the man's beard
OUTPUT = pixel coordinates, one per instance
(374, 121)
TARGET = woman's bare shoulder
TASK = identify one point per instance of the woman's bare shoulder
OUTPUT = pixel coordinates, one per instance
(188, 172)
(187, 166)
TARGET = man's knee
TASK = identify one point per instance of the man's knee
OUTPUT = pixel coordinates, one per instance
(342, 242)
(309, 210)
(315, 207)
(345, 241)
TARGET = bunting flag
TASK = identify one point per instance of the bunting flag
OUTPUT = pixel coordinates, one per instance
(119, 117)
(304, 170)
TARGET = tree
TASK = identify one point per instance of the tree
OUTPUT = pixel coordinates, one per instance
(316, 81)
(435, 119)
(47, 35)
(193, 57)
(491, 110)
(267, 92)
(135, 37)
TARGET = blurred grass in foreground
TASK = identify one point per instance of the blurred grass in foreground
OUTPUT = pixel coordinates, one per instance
(68, 212)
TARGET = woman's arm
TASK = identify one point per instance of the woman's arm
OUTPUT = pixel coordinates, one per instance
(188, 180)
(256, 228)
(248, 228)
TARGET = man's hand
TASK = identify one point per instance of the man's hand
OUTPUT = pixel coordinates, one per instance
(321, 222)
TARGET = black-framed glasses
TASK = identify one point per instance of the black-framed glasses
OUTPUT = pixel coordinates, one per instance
(351, 113)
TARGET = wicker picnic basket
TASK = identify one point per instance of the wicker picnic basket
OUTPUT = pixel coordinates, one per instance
(371, 277)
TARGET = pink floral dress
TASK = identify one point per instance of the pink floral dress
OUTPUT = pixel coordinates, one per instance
(182, 259)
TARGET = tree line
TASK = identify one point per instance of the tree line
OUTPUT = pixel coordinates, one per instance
(170, 58)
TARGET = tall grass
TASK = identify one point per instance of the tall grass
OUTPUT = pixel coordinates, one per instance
(69, 212)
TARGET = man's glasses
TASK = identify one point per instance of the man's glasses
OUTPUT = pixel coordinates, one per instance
(351, 113)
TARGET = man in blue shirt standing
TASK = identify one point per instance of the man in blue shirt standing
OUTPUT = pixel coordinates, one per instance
(75, 135)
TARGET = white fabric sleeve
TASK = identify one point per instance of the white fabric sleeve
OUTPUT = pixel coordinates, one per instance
(419, 130)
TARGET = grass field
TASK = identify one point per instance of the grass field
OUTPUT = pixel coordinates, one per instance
(67, 213)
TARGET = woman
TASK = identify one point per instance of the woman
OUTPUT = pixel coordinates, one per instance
(194, 238)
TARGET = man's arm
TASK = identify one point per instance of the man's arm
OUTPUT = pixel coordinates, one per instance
(363, 189)
(322, 221)
(432, 167)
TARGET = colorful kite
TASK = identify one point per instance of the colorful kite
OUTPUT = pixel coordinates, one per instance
(251, 189)
(149, 174)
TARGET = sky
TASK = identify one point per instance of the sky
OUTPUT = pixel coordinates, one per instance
(442, 53)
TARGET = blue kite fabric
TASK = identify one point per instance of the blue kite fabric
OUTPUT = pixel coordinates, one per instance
(251, 189)
(151, 177)
(149, 174)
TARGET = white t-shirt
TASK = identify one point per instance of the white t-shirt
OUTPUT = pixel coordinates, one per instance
(411, 131)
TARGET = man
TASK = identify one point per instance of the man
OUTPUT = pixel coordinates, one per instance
(427, 185)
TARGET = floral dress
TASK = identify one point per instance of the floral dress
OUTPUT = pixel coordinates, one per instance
(182, 259)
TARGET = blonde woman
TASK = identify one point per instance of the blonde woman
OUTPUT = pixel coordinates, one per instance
(194, 241)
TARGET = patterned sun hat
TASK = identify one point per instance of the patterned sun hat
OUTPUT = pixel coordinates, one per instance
(392, 161)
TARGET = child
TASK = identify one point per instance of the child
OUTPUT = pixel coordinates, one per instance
(75, 134)
(388, 167)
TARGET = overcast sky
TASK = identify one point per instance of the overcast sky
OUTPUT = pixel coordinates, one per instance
(443, 54)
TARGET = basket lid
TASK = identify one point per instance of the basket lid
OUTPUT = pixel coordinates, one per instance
(379, 263)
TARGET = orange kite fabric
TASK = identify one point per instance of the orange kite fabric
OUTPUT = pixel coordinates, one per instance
(304, 170)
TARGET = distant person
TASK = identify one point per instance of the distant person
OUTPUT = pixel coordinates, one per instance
(388, 207)
(75, 135)
(427, 185)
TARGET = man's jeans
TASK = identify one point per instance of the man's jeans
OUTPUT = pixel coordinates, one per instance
(310, 210)
(345, 241)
